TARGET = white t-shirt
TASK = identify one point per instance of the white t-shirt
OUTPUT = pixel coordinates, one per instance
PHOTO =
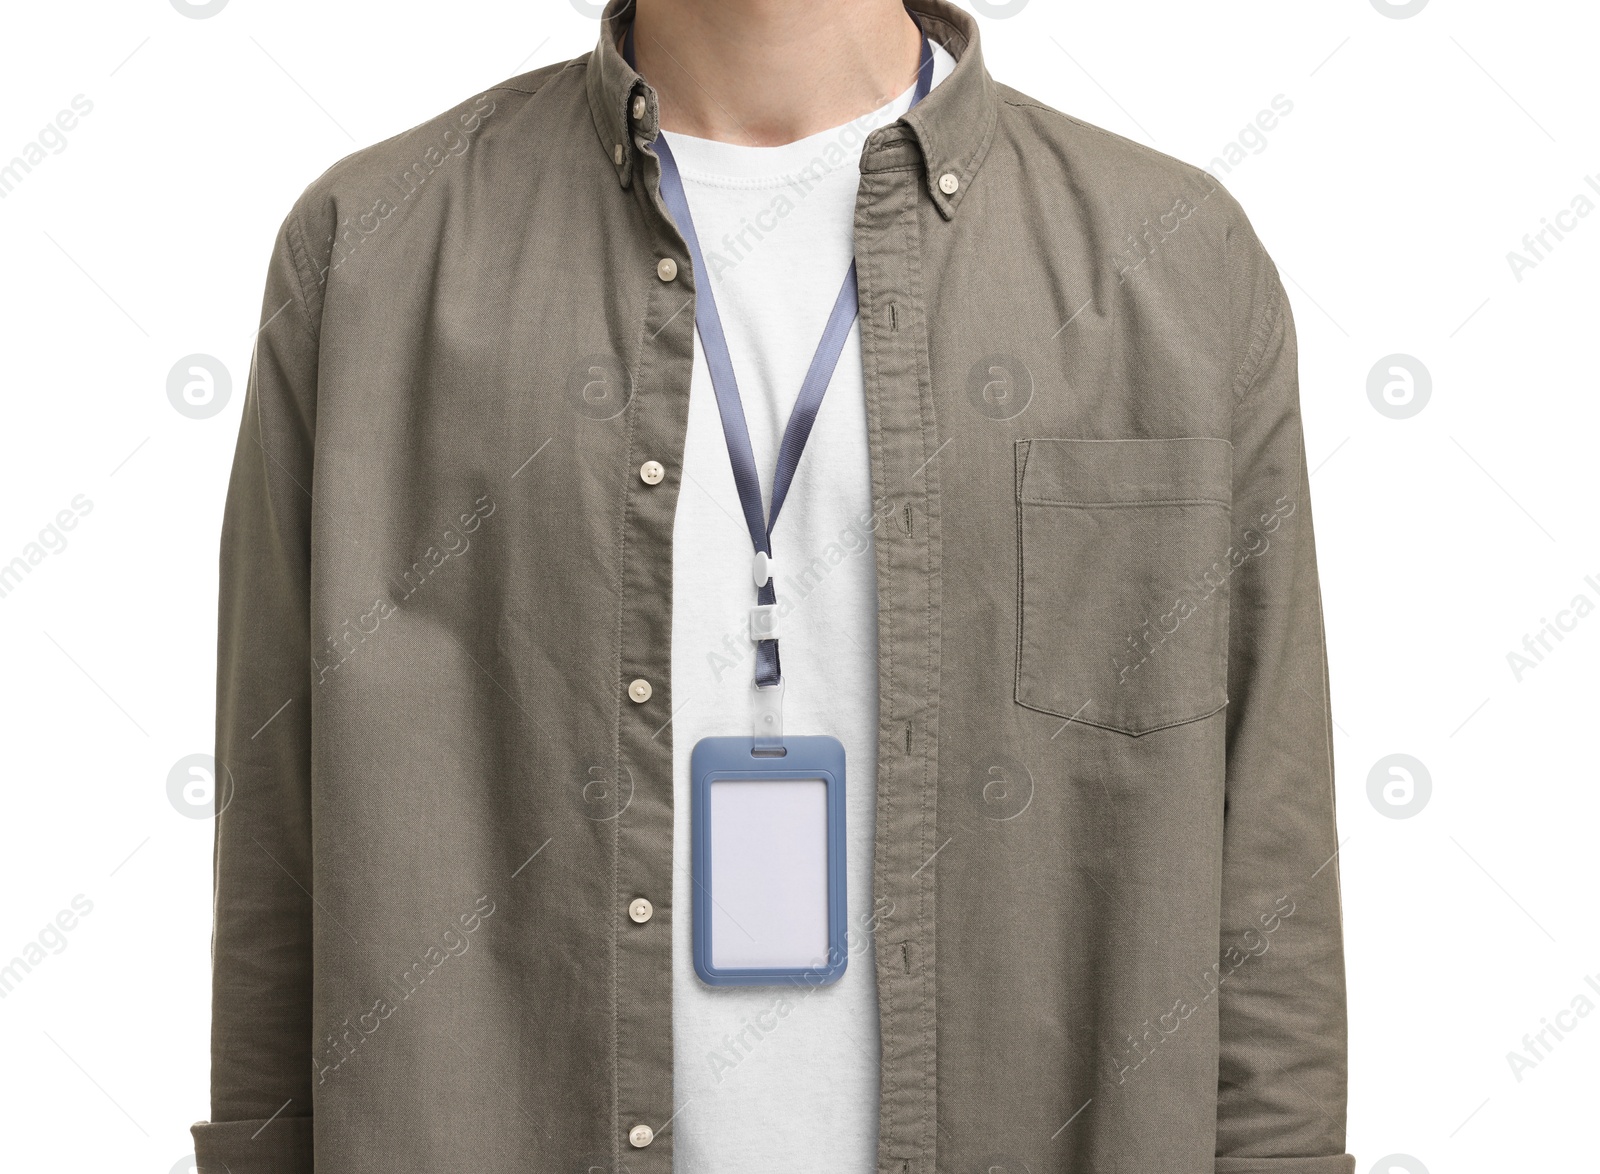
(778, 1079)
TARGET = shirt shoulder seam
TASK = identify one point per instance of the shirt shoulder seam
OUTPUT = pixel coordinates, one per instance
(553, 73)
(294, 243)
(1265, 326)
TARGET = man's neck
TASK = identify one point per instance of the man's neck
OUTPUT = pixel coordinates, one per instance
(762, 73)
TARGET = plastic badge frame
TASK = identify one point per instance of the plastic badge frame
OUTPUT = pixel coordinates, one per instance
(805, 757)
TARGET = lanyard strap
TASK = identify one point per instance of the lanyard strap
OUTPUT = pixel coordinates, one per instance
(726, 385)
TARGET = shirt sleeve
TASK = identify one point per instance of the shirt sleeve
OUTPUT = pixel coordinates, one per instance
(1282, 1066)
(261, 1070)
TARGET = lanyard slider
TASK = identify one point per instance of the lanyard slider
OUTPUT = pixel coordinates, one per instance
(764, 622)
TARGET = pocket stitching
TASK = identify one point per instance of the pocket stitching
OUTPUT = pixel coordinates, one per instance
(1023, 448)
(1016, 680)
(1124, 503)
(1139, 733)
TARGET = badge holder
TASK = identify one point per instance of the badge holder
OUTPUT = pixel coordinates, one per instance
(768, 855)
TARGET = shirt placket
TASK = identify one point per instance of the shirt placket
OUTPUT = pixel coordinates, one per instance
(903, 444)
(642, 863)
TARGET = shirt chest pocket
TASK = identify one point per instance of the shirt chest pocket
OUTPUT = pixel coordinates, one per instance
(1123, 549)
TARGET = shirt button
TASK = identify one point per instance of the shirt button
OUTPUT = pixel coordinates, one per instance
(640, 1136)
(651, 472)
(640, 691)
(666, 269)
(638, 106)
(616, 154)
(640, 910)
(948, 183)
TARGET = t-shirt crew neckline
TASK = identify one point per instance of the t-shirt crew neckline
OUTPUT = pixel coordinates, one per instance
(716, 163)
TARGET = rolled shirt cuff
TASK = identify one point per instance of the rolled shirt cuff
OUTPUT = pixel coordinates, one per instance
(277, 1145)
(1330, 1164)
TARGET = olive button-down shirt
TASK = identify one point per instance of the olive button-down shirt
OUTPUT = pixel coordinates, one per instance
(1106, 923)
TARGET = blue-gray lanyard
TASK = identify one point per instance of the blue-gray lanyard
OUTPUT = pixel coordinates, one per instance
(726, 386)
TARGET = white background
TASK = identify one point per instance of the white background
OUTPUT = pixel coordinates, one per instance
(1418, 154)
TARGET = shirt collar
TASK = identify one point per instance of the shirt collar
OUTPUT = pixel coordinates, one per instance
(952, 127)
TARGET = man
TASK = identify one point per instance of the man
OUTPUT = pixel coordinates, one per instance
(505, 577)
